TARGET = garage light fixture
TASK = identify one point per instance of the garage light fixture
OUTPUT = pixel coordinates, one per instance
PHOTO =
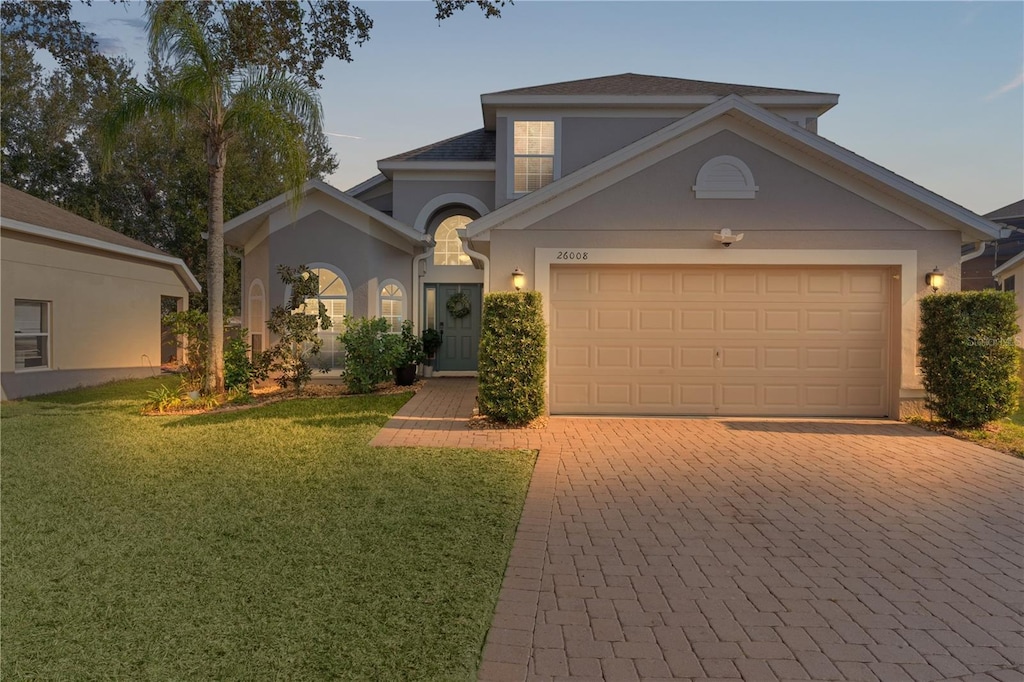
(726, 237)
(935, 279)
(518, 279)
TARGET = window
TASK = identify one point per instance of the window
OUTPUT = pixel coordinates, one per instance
(334, 296)
(448, 246)
(257, 316)
(31, 334)
(1010, 283)
(392, 300)
(533, 154)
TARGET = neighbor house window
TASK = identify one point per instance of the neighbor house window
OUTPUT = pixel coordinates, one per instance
(334, 295)
(447, 245)
(31, 334)
(392, 305)
(533, 155)
(1010, 283)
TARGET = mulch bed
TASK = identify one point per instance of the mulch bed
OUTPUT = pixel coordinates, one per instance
(481, 422)
(269, 393)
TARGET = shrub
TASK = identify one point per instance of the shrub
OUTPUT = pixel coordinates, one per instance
(368, 353)
(239, 370)
(192, 330)
(969, 357)
(296, 330)
(513, 352)
(405, 348)
(432, 341)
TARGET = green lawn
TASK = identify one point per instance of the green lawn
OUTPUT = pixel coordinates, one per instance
(264, 543)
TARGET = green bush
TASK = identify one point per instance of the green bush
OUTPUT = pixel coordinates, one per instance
(295, 327)
(513, 353)
(369, 353)
(969, 356)
(238, 368)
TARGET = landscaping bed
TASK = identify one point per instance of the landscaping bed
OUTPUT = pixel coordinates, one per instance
(266, 543)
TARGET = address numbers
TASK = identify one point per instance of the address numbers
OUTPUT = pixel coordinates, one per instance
(572, 255)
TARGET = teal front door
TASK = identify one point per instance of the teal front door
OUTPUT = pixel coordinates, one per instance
(461, 335)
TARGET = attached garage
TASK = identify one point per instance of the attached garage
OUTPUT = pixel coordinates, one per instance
(722, 340)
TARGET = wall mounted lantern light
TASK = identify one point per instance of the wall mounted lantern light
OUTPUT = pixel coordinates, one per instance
(518, 279)
(935, 279)
(727, 237)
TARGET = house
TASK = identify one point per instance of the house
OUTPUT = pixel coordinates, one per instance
(1010, 277)
(977, 271)
(81, 303)
(700, 248)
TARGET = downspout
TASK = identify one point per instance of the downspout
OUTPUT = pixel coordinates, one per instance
(476, 254)
(416, 293)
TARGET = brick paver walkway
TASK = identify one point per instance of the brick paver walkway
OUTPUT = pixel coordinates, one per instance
(749, 549)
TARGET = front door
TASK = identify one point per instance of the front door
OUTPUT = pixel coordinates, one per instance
(461, 335)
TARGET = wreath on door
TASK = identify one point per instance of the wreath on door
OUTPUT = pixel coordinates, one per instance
(458, 305)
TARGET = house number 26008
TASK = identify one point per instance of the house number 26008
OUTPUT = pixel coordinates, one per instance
(572, 255)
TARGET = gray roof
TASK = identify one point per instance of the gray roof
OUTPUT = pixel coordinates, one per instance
(476, 145)
(1014, 210)
(17, 205)
(640, 85)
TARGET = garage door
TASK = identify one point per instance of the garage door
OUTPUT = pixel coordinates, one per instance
(713, 340)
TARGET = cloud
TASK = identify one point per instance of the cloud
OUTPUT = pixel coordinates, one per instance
(1012, 85)
(349, 137)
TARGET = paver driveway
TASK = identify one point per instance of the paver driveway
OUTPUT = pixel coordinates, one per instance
(750, 549)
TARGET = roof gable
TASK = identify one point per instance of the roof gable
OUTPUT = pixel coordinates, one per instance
(238, 230)
(643, 153)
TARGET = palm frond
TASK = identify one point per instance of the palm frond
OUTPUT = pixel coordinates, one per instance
(265, 120)
(174, 31)
(139, 103)
(286, 94)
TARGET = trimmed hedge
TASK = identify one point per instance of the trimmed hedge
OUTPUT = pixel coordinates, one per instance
(969, 356)
(513, 354)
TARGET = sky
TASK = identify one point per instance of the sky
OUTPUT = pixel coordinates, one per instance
(933, 91)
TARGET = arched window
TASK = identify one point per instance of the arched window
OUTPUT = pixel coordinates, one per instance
(448, 248)
(334, 295)
(392, 304)
(257, 315)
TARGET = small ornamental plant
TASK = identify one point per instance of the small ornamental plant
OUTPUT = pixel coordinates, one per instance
(969, 357)
(369, 356)
(295, 327)
(513, 354)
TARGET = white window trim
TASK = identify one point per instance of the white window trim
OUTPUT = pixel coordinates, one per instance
(254, 286)
(404, 299)
(510, 142)
(48, 334)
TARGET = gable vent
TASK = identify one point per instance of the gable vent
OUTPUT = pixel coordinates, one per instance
(725, 177)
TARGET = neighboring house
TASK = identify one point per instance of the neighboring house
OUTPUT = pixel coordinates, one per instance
(978, 271)
(613, 195)
(1010, 277)
(81, 303)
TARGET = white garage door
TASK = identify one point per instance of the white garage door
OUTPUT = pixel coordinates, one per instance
(713, 340)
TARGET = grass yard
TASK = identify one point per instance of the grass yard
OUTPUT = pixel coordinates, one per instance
(264, 543)
(1004, 435)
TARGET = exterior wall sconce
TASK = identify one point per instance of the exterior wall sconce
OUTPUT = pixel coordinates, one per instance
(518, 279)
(726, 237)
(935, 279)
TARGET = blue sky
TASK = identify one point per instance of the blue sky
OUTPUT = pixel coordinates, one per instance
(930, 90)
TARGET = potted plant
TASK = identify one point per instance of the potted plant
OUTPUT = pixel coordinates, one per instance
(405, 351)
(431, 344)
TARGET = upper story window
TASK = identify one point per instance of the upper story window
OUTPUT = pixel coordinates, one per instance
(448, 246)
(533, 154)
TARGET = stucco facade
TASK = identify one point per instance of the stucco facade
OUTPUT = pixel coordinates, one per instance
(637, 176)
(100, 308)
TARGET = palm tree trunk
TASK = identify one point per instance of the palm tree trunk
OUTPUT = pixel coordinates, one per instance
(216, 157)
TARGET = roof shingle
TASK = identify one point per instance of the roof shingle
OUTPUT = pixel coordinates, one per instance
(476, 145)
(17, 205)
(640, 85)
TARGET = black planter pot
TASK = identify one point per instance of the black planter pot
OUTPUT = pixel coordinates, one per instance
(405, 376)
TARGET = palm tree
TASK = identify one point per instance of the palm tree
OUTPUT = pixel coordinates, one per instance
(200, 90)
